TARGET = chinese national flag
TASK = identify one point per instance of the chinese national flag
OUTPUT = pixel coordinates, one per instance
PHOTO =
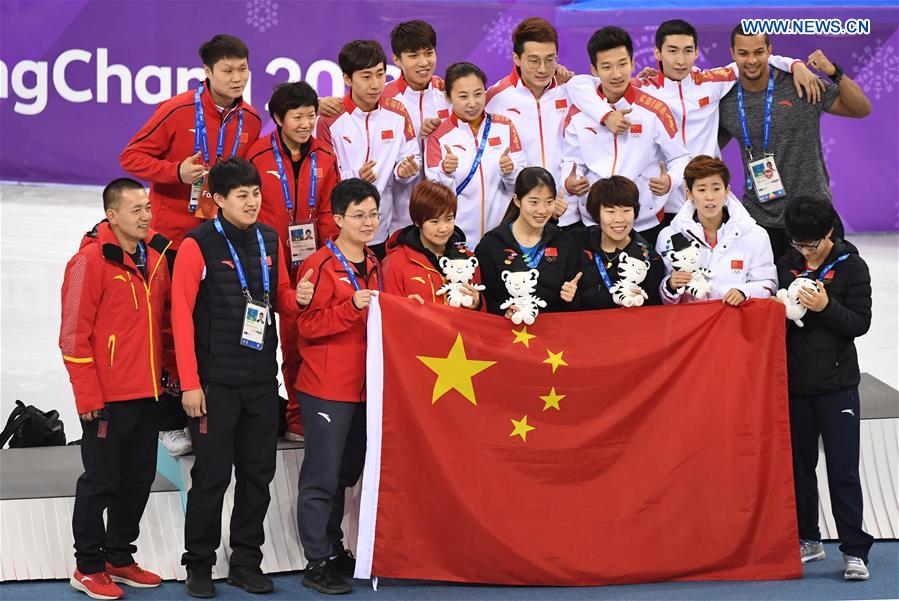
(600, 447)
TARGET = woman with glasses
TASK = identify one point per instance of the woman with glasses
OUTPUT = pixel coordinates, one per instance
(412, 266)
(732, 246)
(345, 275)
(476, 154)
(525, 240)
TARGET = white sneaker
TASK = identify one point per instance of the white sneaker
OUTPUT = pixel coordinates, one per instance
(177, 442)
(811, 550)
(854, 568)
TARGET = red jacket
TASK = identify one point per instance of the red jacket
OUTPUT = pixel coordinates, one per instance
(113, 321)
(332, 330)
(410, 269)
(274, 209)
(156, 151)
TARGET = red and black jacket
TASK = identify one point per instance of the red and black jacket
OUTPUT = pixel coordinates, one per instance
(274, 208)
(410, 268)
(332, 329)
(114, 319)
(156, 151)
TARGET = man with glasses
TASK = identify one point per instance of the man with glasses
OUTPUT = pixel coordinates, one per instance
(823, 377)
(535, 99)
(346, 275)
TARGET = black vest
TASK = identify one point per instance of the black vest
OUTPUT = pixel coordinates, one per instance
(219, 310)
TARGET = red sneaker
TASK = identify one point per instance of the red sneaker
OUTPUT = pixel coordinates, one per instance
(133, 575)
(97, 585)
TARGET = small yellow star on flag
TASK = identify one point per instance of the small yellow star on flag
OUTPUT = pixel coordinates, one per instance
(552, 400)
(455, 371)
(521, 428)
(555, 359)
(523, 337)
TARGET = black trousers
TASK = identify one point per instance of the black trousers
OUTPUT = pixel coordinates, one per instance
(119, 455)
(835, 417)
(171, 414)
(333, 461)
(240, 429)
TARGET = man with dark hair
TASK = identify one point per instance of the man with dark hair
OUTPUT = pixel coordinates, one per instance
(823, 371)
(691, 93)
(332, 381)
(174, 149)
(298, 173)
(111, 343)
(535, 99)
(651, 155)
(230, 275)
(764, 113)
(374, 138)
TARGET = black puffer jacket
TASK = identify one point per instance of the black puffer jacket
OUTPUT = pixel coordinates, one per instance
(821, 356)
(498, 251)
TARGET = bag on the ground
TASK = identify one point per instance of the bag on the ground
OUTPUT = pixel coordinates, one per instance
(28, 426)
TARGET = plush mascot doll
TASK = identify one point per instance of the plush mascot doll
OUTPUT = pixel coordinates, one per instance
(790, 298)
(457, 273)
(521, 286)
(685, 257)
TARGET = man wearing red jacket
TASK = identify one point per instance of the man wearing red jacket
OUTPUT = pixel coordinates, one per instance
(115, 297)
(230, 277)
(298, 173)
(345, 274)
(173, 151)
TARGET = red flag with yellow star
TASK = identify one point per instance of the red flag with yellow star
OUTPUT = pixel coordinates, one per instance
(600, 447)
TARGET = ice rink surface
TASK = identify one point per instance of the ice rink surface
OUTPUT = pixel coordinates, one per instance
(41, 228)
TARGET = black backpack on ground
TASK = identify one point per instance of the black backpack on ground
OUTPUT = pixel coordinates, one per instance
(28, 426)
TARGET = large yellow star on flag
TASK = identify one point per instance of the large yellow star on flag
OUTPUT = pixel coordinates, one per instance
(455, 371)
(521, 428)
(552, 400)
(555, 359)
(523, 337)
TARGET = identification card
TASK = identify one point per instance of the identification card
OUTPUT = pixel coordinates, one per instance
(302, 242)
(766, 179)
(254, 320)
(196, 190)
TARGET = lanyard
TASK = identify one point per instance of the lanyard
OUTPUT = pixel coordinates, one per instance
(284, 186)
(477, 157)
(602, 271)
(351, 273)
(533, 259)
(826, 269)
(263, 258)
(769, 102)
(201, 140)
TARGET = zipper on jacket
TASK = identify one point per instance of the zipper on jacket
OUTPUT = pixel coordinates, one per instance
(367, 139)
(483, 198)
(133, 291)
(540, 129)
(683, 124)
(150, 320)
(110, 347)
(615, 158)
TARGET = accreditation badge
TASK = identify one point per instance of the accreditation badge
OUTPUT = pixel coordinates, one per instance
(766, 179)
(254, 320)
(196, 191)
(302, 242)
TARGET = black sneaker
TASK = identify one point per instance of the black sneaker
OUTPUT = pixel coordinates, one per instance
(344, 562)
(250, 579)
(199, 582)
(322, 577)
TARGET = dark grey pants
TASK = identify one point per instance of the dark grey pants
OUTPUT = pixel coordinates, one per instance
(333, 461)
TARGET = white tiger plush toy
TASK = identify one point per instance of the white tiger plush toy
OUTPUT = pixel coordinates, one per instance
(790, 298)
(626, 292)
(458, 272)
(521, 286)
(687, 260)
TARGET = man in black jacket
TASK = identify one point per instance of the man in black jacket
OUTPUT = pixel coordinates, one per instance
(824, 377)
